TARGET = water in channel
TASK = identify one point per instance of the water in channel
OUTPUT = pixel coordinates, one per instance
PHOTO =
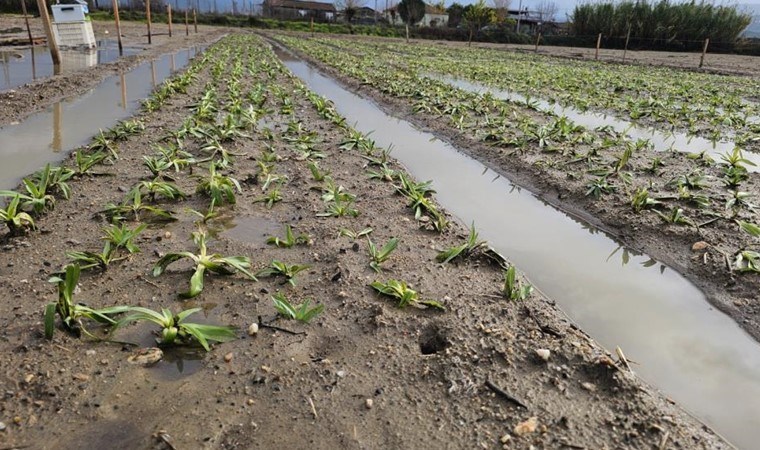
(19, 66)
(48, 136)
(692, 352)
(660, 141)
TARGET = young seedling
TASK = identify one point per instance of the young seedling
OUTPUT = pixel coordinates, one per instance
(381, 255)
(675, 217)
(599, 187)
(747, 261)
(750, 228)
(208, 215)
(18, 222)
(641, 200)
(286, 270)
(463, 250)
(289, 240)
(203, 261)
(88, 260)
(301, 312)
(86, 161)
(133, 207)
(176, 330)
(159, 188)
(514, 289)
(404, 294)
(220, 188)
(71, 313)
(354, 235)
(36, 199)
(270, 198)
(316, 173)
(55, 179)
(120, 236)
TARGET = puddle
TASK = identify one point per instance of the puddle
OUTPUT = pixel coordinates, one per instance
(178, 361)
(687, 349)
(20, 66)
(48, 136)
(661, 141)
(247, 229)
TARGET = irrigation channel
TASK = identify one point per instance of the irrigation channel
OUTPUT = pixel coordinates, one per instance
(47, 136)
(28, 64)
(693, 353)
(661, 142)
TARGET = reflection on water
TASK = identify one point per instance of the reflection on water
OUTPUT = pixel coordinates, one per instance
(695, 354)
(19, 66)
(47, 136)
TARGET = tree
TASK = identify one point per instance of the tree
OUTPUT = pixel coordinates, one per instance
(501, 8)
(547, 10)
(411, 11)
(478, 16)
(456, 11)
(349, 8)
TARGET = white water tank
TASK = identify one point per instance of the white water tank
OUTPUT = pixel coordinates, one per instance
(72, 26)
(70, 13)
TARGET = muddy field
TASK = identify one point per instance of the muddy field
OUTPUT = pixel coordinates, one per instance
(363, 374)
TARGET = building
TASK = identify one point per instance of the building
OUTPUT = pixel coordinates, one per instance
(297, 9)
(434, 17)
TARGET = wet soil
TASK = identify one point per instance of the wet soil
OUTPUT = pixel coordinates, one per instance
(364, 374)
(708, 264)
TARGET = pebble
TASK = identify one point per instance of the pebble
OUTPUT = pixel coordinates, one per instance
(505, 439)
(228, 357)
(699, 246)
(341, 374)
(543, 353)
(146, 356)
(90, 352)
(253, 329)
(81, 377)
(369, 403)
(591, 387)
(527, 427)
(168, 235)
(3, 426)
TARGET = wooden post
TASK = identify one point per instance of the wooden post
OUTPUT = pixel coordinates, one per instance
(187, 24)
(704, 52)
(147, 15)
(312, 27)
(118, 25)
(538, 39)
(598, 44)
(407, 33)
(169, 13)
(26, 19)
(627, 38)
(55, 53)
(195, 21)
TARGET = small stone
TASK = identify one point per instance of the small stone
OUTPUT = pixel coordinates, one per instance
(90, 352)
(342, 294)
(699, 246)
(424, 219)
(369, 403)
(253, 329)
(81, 377)
(168, 235)
(505, 439)
(250, 401)
(341, 373)
(527, 427)
(28, 379)
(543, 353)
(591, 387)
(228, 357)
(146, 356)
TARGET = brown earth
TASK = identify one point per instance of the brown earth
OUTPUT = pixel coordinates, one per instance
(364, 374)
(708, 267)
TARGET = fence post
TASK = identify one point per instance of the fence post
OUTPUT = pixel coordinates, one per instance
(598, 44)
(187, 24)
(195, 21)
(407, 33)
(538, 39)
(26, 19)
(55, 53)
(169, 13)
(627, 38)
(704, 51)
(147, 15)
(115, 4)
(312, 26)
